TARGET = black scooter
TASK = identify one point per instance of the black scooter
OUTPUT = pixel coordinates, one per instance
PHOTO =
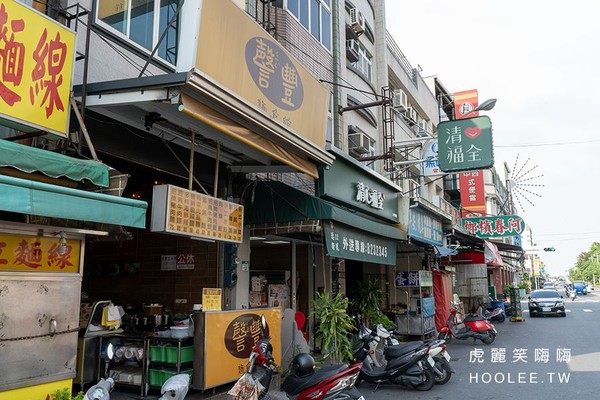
(407, 365)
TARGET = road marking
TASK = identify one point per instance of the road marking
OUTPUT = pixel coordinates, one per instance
(586, 310)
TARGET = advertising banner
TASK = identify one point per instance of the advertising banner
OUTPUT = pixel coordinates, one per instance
(465, 102)
(38, 254)
(499, 226)
(472, 193)
(230, 337)
(37, 55)
(465, 144)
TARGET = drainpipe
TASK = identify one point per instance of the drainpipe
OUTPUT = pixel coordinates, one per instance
(337, 70)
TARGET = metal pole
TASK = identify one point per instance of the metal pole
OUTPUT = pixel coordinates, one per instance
(192, 151)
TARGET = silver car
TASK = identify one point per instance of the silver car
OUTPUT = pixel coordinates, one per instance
(546, 302)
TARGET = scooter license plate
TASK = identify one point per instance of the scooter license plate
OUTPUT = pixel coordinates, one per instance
(446, 356)
(430, 361)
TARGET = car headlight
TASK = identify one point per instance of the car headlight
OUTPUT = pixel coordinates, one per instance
(560, 303)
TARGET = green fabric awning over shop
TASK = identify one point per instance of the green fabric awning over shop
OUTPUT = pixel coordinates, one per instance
(31, 159)
(36, 198)
(270, 202)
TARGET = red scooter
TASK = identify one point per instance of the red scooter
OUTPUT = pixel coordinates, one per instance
(474, 326)
(335, 382)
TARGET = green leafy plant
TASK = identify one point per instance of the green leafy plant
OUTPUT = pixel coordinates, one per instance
(65, 394)
(368, 297)
(334, 326)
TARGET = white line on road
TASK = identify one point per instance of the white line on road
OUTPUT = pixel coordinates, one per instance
(586, 310)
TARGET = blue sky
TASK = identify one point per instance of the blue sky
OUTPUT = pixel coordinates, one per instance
(535, 57)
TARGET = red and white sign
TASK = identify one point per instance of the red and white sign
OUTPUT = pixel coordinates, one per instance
(464, 103)
(472, 194)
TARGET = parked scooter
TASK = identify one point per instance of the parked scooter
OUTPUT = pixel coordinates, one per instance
(476, 327)
(436, 349)
(496, 314)
(335, 382)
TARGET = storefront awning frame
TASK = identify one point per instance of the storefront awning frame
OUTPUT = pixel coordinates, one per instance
(37, 198)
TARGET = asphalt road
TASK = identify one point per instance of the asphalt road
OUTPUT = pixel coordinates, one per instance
(537, 358)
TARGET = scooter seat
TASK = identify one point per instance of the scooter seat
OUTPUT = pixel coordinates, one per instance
(294, 385)
(471, 318)
(401, 349)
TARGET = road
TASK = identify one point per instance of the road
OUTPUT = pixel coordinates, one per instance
(538, 358)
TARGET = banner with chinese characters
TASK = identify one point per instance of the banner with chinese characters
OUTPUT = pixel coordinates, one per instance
(229, 339)
(343, 241)
(37, 55)
(187, 213)
(465, 144)
(38, 254)
(472, 193)
(500, 226)
(413, 279)
(211, 299)
(242, 58)
(429, 153)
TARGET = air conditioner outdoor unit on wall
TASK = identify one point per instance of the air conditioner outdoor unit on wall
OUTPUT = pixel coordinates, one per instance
(358, 142)
(399, 100)
(352, 47)
(411, 116)
(421, 128)
(357, 21)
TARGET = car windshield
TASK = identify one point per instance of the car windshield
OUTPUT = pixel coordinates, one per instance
(545, 294)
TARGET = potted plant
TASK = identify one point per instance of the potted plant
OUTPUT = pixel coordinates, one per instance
(65, 394)
(333, 326)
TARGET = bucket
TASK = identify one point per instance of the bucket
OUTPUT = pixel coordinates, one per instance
(180, 332)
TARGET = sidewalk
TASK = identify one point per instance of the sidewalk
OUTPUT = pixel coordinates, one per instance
(129, 393)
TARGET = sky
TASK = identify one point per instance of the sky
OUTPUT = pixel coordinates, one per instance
(541, 61)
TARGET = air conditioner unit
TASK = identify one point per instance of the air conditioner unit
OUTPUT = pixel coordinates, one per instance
(358, 142)
(411, 116)
(421, 129)
(357, 21)
(399, 100)
(352, 47)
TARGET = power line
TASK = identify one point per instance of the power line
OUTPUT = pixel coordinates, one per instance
(550, 144)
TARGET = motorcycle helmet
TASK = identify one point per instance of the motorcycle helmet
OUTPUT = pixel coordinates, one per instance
(303, 365)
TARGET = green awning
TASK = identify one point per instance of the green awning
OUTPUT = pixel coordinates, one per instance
(36, 198)
(30, 159)
(270, 202)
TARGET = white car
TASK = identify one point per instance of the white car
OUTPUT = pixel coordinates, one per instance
(548, 285)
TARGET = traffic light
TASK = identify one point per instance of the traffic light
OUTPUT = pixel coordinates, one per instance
(549, 249)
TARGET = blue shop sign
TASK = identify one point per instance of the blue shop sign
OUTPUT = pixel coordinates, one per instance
(424, 227)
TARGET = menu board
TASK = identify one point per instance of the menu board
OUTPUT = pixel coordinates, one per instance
(185, 212)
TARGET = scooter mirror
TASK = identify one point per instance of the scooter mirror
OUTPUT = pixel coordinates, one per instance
(263, 322)
(110, 351)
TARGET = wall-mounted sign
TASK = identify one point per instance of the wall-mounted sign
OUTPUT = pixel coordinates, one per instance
(465, 144)
(354, 244)
(349, 183)
(425, 227)
(431, 166)
(413, 279)
(239, 55)
(38, 254)
(37, 56)
(464, 104)
(486, 227)
(184, 212)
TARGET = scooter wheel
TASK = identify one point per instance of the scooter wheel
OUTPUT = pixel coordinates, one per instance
(428, 381)
(445, 336)
(490, 339)
(442, 365)
(500, 318)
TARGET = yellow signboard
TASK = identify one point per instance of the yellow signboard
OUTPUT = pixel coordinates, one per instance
(237, 53)
(184, 212)
(211, 299)
(38, 254)
(37, 55)
(47, 391)
(230, 338)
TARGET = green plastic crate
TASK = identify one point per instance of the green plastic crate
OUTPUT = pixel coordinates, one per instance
(167, 373)
(187, 354)
(156, 377)
(158, 353)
